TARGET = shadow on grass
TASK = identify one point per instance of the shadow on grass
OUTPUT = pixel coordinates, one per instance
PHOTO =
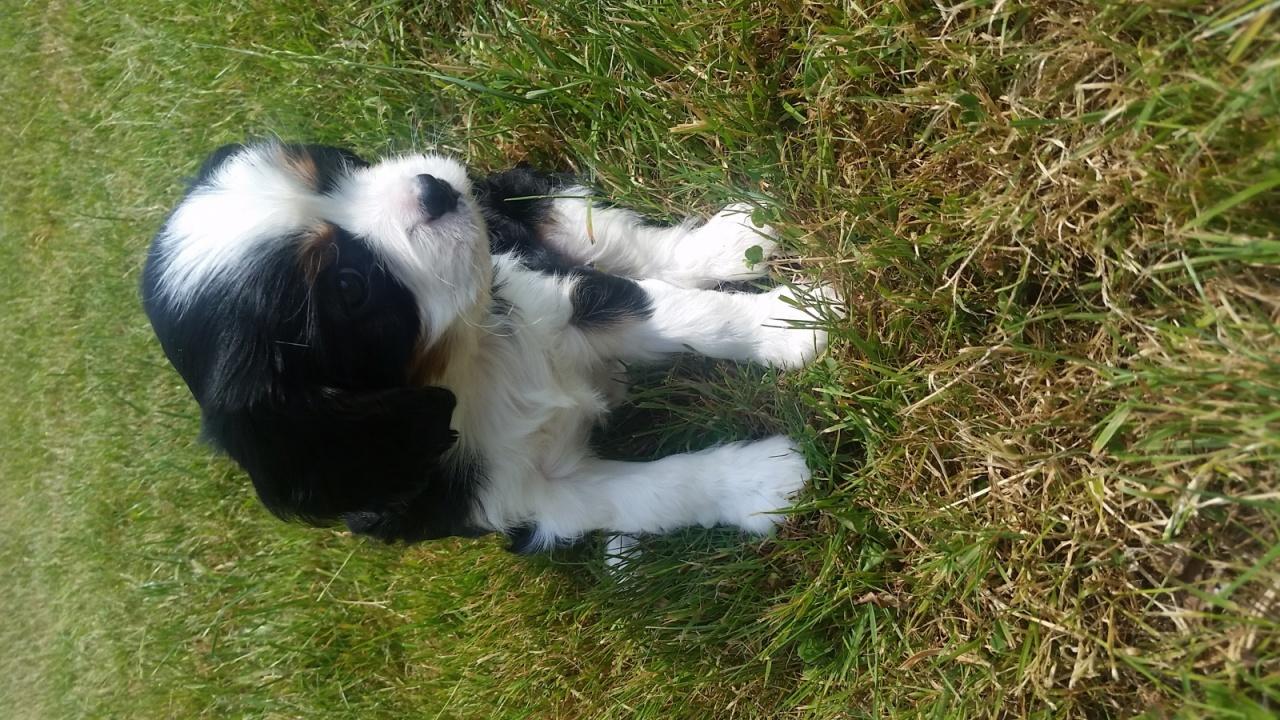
(702, 597)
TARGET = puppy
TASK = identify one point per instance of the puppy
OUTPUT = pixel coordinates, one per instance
(422, 354)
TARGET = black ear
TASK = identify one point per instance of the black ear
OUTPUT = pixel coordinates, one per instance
(213, 162)
(206, 338)
(346, 453)
(325, 154)
(229, 342)
(441, 507)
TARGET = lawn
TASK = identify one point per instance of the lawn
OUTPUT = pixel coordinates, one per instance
(1046, 437)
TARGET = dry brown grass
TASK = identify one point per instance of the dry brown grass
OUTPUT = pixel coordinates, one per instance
(1046, 438)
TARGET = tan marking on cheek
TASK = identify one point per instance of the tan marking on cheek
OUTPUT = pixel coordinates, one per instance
(429, 363)
(316, 251)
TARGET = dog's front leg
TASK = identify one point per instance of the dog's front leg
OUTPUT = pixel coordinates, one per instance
(776, 328)
(691, 254)
(742, 484)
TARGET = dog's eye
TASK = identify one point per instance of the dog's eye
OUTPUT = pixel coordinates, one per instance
(354, 289)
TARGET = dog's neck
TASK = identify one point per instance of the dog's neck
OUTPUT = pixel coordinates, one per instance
(474, 359)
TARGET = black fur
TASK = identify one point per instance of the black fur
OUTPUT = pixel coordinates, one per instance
(600, 299)
(428, 513)
(213, 162)
(521, 539)
(343, 453)
(330, 161)
(264, 335)
(305, 384)
(515, 204)
(302, 376)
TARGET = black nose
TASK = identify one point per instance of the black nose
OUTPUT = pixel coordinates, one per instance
(437, 197)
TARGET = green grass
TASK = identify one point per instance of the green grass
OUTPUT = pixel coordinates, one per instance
(1046, 438)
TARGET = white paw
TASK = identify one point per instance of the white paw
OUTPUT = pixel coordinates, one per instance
(789, 334)
(619, 550)
(767, 476)
(717, 251)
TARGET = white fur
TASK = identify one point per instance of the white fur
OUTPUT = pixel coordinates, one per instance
(734, 326)
(530, 389)
(686, 255)
(253, 199)
(530, 384)
(250, 200)
(443, 261)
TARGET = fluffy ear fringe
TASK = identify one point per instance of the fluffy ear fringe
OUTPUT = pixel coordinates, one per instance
(438, 508)
(322, 457)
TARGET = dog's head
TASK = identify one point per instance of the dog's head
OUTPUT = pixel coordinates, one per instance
(306, 298)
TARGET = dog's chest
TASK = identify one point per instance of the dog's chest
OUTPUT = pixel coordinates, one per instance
(529, 407)
(563, 416)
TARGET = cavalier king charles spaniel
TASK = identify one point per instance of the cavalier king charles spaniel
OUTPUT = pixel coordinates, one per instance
(420, 353)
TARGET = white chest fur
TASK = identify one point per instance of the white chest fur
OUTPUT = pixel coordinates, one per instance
(529, 392)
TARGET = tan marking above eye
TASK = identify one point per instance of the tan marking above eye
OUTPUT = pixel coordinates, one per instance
(299, 163)
(316, 250)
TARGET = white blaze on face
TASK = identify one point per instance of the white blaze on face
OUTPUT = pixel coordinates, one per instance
(259, 196)
(252, 198)
(443, 261)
